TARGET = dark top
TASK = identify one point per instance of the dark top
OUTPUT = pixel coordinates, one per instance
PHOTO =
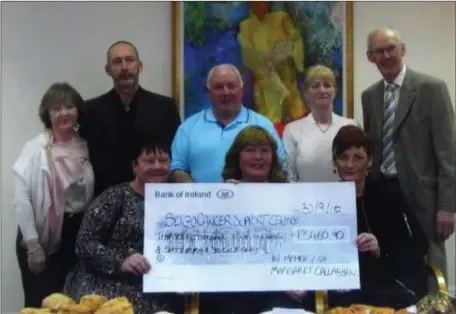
(390, 219)
(111, 131)
(397, 278)
(112, 230)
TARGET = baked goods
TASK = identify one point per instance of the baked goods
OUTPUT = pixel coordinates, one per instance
(119, 305)
(361, 309)
(58, 303)
(339, 310)
(92, 301)
(35, 311)
(74, 309)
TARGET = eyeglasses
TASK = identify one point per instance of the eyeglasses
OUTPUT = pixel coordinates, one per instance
(381, 51)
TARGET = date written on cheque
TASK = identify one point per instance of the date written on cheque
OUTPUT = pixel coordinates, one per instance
(321, 234)
(319, 207)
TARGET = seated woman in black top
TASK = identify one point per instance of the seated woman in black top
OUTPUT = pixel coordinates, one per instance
(392, 247)
(396, 275)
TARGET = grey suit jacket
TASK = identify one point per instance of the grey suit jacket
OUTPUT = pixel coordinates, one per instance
(424, 143)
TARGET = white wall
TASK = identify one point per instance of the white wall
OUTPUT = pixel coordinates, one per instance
(43, 42)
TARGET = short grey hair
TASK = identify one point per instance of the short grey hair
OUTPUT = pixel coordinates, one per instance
(372, 34)
(223, 66)
(121, 42)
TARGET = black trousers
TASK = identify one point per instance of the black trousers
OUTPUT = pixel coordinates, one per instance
(52, 278)
(410, 244)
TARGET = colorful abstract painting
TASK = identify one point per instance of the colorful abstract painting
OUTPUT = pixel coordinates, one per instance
(272, 43)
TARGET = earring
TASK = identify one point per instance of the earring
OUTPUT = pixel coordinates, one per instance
(334, 170)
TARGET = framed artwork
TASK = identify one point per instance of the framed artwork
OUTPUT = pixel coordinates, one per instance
(271, 43)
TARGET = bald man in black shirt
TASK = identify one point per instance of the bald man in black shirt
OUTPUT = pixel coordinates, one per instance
(113, 122)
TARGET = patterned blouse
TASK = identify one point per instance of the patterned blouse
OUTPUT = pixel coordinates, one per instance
(112, 230)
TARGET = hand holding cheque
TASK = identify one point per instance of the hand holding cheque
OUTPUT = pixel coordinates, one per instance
(251, 237)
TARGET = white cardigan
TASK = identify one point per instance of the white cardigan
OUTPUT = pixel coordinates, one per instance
(31, 202)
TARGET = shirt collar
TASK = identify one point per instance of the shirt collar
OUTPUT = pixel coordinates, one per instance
(242, 117)
(399, 80)
(133, 101)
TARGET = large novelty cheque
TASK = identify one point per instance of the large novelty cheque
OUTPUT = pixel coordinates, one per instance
(250, 237)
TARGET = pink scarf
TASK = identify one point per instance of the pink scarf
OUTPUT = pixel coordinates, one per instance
(66, 167)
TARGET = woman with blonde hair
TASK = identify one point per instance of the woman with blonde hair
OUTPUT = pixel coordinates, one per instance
(308, 140)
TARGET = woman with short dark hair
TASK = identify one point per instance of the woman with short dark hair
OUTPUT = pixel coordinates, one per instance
(53, 185)
(110, 243)
(391, 245)
(397, 276)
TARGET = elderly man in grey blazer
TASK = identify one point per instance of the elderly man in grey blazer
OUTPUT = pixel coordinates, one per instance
(410, 117)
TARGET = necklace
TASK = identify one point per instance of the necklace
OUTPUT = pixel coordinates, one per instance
(323, 130)
(319, 125)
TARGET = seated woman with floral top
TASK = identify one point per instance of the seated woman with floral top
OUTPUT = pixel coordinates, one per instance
(110, 241)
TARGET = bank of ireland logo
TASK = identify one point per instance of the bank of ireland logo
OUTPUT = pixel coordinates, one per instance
(224, 194)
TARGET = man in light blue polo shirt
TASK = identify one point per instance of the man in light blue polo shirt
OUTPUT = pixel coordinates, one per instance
(202, 141)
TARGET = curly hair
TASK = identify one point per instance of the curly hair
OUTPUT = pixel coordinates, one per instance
(252, 135)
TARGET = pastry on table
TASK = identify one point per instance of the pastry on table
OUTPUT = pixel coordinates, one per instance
(362, 309)
(74, 309)
(119, 305)
(383, 310)
(115, 302)
(56, 301)
(339, 310)
(116, 310)
(30, 310)
(92, 301)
